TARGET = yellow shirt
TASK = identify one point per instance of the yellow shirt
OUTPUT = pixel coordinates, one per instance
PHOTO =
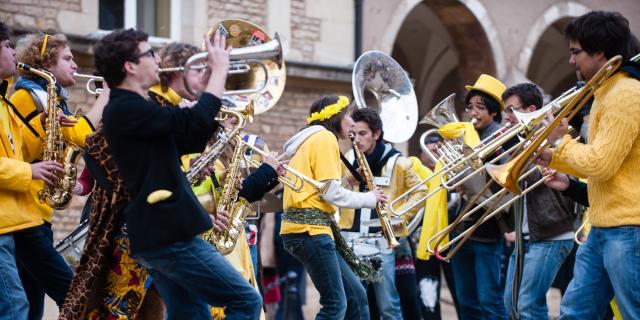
(611, 159)
(77, 135)
(318, 157)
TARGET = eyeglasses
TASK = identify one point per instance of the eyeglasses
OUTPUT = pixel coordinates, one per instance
(575, 51)
(510, 109)
(477, 107)
(149, 53)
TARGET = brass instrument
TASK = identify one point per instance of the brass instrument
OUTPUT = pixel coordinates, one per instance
(59, 194)
(385, 223)
(237, 207)
(257, 70)
(91, 84)
(377, 75)
(507, 175)
(300, 179)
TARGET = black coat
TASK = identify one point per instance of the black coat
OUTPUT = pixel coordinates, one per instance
(147, 141)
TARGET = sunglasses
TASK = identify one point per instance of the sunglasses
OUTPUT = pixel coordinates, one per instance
(149, 53)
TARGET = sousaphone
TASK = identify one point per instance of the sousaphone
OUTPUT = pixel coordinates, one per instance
(379, 82)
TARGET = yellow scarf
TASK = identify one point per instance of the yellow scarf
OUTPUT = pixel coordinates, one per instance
(435, 212)
(454, 130)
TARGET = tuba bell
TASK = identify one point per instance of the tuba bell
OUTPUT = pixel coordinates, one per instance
(382, 77)
(257, 71)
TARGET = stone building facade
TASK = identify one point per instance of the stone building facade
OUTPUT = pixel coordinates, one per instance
(443, 44)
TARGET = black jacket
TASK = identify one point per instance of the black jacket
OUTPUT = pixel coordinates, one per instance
(549, 212)
(147, 141)
(258, 183)
(577, 191)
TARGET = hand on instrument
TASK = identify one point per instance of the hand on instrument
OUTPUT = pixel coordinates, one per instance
(556, 180)
(77, 189)
(64, 121)
(380, 195)
(545, 157)
(44, 171)
(218, 62)
(275, 162)
(559, 131)
(220, 220)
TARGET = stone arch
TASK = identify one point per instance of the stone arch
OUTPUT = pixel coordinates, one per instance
(444, 45)
(544, 56)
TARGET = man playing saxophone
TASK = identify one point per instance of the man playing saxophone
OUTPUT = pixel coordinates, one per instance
(42, 269)
(394, 174)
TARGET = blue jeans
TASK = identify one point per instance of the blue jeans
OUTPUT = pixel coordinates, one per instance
(542, 260)
(607, 264)
(42, 269)
(191, 275)
(13, 301)
(342, 296)
(476, 268)
(387, 298)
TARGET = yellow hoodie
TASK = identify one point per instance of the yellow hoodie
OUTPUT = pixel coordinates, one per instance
(17, 145)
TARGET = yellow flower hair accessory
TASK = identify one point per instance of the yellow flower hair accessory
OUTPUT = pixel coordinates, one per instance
(330, 110)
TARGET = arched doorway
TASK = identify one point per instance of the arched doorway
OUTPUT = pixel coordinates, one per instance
(443, 46)
(549, 67)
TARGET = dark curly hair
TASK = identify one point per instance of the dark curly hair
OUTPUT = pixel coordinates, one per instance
(116, 48)
(332, 124)
(173, 55)
(371, 118)
(601, 31)
(528, 93)
(5, 32)
(493, 106)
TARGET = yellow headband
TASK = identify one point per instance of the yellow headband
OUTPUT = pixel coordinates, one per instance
(44, 45)
(330, 110)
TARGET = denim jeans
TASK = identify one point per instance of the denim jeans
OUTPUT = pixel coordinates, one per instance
(13, 301)
(42, 269)
(342, 296)
(476, 268)
(387, 298)
(542, 260)
(191, 275)
(607, 264)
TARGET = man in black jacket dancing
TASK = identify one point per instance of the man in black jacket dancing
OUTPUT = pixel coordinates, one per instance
(164, 217)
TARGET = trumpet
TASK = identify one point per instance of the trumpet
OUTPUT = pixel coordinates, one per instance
(92, 82)
(300, 179)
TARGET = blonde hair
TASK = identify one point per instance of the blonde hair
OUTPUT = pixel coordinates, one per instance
(40, 51)
(173, 55)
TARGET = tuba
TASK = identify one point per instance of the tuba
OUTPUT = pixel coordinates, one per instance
(377, 74)
(257, 70)
(57, 196)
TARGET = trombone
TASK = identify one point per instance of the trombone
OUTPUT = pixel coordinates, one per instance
(92, 83)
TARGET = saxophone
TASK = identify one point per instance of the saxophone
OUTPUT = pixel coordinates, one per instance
(381, 208)
(58, 195)
(237, 207)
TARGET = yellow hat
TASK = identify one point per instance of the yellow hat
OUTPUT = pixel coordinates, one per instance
(490, 86)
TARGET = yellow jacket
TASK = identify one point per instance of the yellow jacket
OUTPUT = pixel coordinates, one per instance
(77, 135)
(403, 178)
(18, 210)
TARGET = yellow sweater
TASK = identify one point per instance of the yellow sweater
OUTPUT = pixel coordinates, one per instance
(611, 159)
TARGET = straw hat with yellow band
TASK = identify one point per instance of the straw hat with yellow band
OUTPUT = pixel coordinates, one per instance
(491, 86)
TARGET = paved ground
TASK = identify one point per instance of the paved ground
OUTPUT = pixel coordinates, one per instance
(312, 306)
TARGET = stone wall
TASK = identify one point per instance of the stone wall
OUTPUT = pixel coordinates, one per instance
(40, 14)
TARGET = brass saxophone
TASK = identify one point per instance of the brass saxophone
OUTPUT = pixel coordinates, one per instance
(237, 207)
(58, 195)
(381, 208)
